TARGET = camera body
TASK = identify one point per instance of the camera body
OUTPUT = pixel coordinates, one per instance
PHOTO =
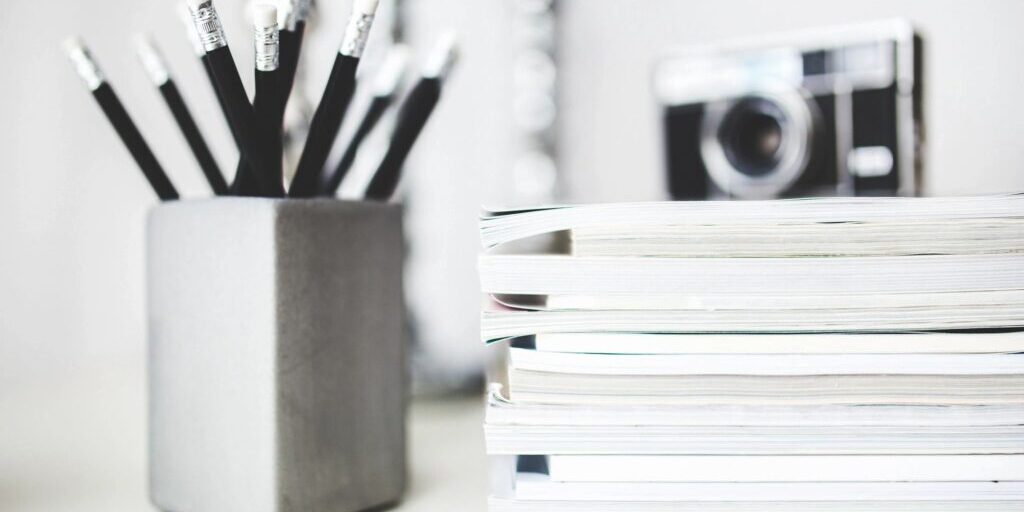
(818, 113)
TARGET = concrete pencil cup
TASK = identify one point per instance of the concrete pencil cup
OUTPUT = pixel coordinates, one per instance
(276, 357)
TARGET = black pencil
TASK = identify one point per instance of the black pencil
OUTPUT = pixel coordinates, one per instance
(156, 67)
(119, 118)
(267, 102)
(241, 168)
(291, 36)
(384, 88)
(200, 51)
(412, 117)
(239, 111)
(337, 95)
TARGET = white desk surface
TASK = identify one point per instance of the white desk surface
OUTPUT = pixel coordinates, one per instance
(78, 445)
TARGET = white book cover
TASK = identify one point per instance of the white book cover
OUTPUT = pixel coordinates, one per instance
(754, 303)
(831, 343)
(889, 238)
(503, 412)
(502, 226)
(526, 386)
(747, 440)
(785, 468)
(499, 324)
(693, 278)
(766, 364)
(499, 504)
(535, 486)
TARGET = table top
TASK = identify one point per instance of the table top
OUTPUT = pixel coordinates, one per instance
(79, 445)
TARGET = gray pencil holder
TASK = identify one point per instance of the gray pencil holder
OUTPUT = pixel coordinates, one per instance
(276, 355)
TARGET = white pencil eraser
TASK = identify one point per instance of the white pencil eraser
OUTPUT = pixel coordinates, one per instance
(144, 44)
(286, 14)
(441, 59)
(84, 65)
(151, 59)
(365, 6)
(264, 15)
(73, 45)
(194, 4)
(389, 77)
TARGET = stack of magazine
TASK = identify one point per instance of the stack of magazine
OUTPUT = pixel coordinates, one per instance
(836, 354)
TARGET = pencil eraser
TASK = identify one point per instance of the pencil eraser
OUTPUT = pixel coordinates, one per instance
(302, 8)
(145, 46)
(151, 59)
(367, 7)
(73, 45)
(195, 4)
(389, 77)
(264, 15)
(185, 12)
(286, 14)
(83, 62)
(441, 59)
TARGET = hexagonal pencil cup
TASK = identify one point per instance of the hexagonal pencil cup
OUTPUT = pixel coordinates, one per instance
(276, 355)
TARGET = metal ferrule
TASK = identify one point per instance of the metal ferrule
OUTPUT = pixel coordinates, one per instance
(190, 28)
(87, 68)
(153, 63)
(208, 26)
(268, 48)
(356, 34)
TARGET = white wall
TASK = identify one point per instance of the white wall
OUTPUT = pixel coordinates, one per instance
(72, 204)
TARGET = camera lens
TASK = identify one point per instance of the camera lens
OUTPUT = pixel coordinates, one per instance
(757, 145)
(752, 136)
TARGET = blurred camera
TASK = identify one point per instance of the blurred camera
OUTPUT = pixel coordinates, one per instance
(827, 112)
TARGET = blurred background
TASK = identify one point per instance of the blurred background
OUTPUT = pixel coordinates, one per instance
(552, 100)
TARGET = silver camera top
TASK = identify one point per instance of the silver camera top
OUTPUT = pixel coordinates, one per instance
(818, 60)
